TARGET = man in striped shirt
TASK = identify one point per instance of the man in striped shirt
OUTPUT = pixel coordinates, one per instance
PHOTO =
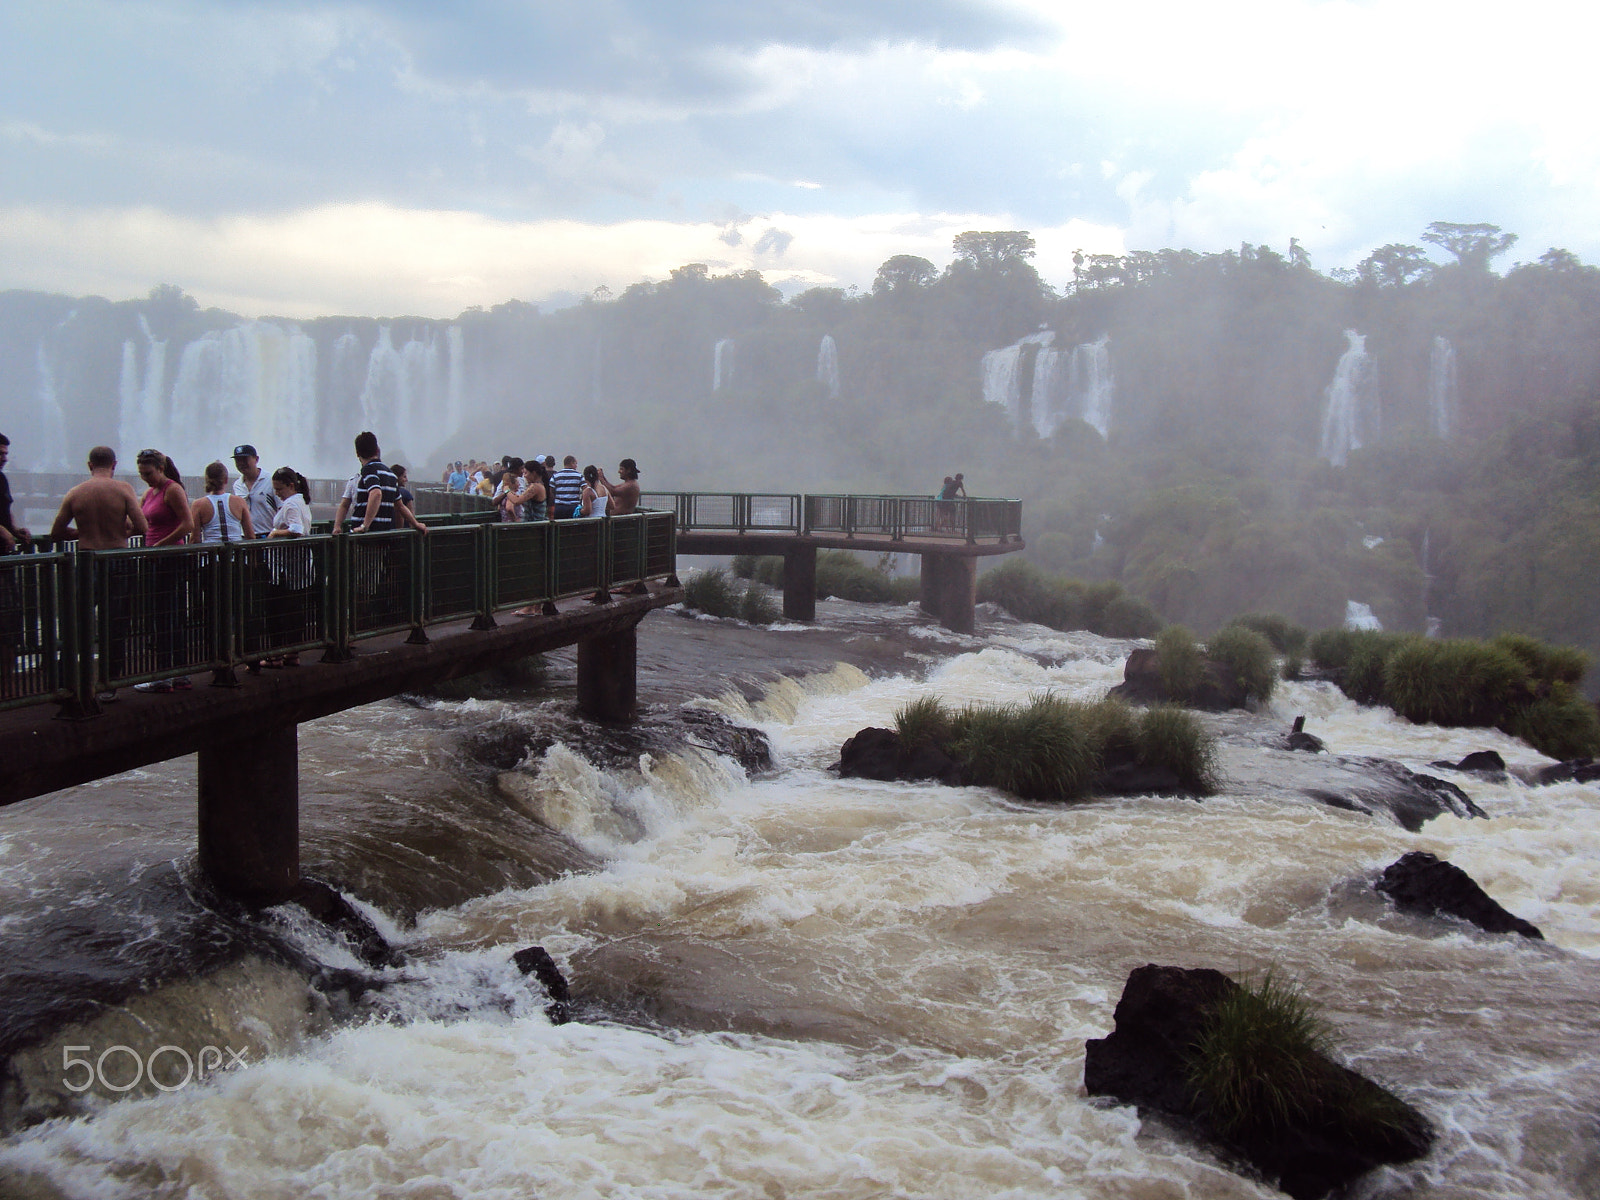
(566, 487)
(376, 489)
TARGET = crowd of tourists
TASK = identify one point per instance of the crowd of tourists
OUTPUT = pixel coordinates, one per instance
(246, 505)
(534, 489)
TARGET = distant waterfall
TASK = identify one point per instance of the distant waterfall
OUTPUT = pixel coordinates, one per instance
(1444, 399)
(52, 455)
(722, 365)
(264, 382)
(411, 396)
(828, 366)
(256, 382)
(1092, 384)
(1350, 420)
(1063, 384)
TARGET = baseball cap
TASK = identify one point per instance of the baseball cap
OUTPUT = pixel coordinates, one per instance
(245, 451)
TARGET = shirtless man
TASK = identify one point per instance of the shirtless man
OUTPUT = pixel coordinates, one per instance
(103, 509)
(624, 495)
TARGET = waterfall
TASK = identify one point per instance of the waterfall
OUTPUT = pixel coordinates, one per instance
(1350, 420)
(1444, 401)
(722, 365)
(1092, 383)
(1360, 616)
(828, 366)
(1006, 377)
(411, 396)
(52, 454)
(142, 393)
(1062, 384)
(255, 382)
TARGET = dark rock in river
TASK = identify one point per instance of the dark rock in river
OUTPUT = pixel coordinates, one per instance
(330, 907)
(1350, 1124)
(878, 754)
(1411, 798)
(1424, 883)
(1485, 763)
(1218, 691)
(1577, 770)
(536, 961)
(1299, 739)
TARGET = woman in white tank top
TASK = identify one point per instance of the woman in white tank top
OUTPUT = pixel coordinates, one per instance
(592, 502)
(219, 515)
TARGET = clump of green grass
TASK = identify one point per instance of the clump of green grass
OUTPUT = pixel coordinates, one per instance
(1456, 682)
(1248, 657)
(1180, 661)
(1051, 748)
(1170, 736)
(1260, 1064)
(1284, 635)
(757, 607)
(903, 589)
(1038, 750)
(841, 574)
(924, 720)
(1545, 663)
(1562, 724)
(1030, 594)
(715, 594)
(765, 568)
(712, 593)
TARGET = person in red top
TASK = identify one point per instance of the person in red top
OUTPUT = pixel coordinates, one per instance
(165, 504)
(166, 508)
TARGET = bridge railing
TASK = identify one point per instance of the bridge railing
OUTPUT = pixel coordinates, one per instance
(75, 624)
(897, 517)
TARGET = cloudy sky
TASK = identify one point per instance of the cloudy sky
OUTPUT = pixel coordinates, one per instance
(386, 157)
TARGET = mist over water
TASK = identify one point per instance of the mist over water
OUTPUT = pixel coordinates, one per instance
(799, 985)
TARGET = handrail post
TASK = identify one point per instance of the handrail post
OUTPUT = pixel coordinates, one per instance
(417, 553)
(967, 509)
(336, 600)
(80, 703)
(226, 570)
(807, 507)
(484, 572)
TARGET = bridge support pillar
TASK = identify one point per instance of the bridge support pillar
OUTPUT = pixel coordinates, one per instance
(250, 815)
(608, 676)
(950, 590)
(800, 583)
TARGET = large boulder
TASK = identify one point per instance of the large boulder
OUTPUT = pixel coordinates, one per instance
(1423, 883)
(1376, 785)
(879, 754)
(1146, 1061)
(1219, 687)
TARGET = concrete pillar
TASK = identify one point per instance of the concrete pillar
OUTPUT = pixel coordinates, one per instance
(250, 815)
(929, 597)
(608, 676)
(800, 583)
(957, 588)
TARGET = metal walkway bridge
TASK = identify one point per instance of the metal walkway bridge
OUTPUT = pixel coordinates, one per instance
(382, 613)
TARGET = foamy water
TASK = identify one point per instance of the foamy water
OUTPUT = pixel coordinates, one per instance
(847, 988)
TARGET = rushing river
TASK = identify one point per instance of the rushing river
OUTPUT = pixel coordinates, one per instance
(791, 985)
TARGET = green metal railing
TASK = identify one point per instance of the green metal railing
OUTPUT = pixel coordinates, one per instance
(73, 624)
(897, 517)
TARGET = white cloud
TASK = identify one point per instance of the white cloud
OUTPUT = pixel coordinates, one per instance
(376, 260)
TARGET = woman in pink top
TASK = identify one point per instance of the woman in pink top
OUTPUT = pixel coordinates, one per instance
(166, 504)
(166, 508)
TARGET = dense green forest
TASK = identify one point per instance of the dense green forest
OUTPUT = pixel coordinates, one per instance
(1210, 495)
(1212, 490)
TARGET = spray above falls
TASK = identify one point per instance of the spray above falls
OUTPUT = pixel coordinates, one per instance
(1044, 387)
(1350, 418)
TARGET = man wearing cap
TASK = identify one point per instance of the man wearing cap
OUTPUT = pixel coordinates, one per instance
(256, 489)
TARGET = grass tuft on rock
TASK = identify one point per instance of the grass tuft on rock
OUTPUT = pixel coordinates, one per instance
(1052, 748)
(715, 594)
(1284, 635)
(1248, 657)
(1260, 1063)
(1181, 661)
(1030, 594)
(925, 721)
